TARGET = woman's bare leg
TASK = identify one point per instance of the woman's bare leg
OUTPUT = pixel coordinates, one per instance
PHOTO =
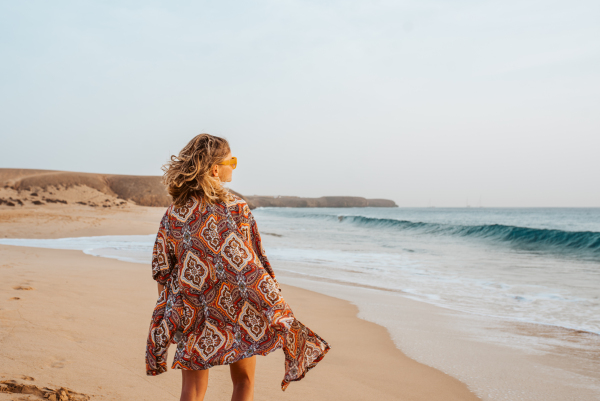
(193, 384)
(242, 376)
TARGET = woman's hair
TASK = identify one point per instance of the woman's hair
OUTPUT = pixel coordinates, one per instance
(189, 173)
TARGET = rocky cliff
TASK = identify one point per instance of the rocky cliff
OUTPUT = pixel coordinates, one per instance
(324, 201)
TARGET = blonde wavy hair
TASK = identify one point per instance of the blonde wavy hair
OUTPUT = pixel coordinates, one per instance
(189, 173)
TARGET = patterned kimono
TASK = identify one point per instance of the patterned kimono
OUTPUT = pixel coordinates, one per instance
(221, 301)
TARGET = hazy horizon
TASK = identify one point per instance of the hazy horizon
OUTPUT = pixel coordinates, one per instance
(426, 103)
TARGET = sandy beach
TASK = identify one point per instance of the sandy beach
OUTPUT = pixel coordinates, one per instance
(414, 212)
(80, 322)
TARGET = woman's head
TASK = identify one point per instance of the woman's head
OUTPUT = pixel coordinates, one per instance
(197, 170)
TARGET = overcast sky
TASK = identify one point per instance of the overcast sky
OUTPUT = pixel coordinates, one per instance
(439, 102)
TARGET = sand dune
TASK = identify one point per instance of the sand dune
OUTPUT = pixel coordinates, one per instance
(20, 187)
(84, 188)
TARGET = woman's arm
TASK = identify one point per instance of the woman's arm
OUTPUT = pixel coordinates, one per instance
(162, 261)
(260, 251)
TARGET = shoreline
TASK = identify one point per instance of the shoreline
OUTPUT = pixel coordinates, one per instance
(437, 305)
(499, 360)
(76, 338)
(507, 348)
(79, 332)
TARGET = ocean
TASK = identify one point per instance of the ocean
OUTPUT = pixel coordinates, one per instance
(530, 265)
(533, 266)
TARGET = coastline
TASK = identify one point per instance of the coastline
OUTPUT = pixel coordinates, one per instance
(41, 187)
(75, 326)
(508, 322)
(499, 359)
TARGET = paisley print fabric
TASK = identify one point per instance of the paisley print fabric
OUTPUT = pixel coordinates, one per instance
(221, 301)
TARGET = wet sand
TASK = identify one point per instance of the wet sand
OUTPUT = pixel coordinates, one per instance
(72, 320)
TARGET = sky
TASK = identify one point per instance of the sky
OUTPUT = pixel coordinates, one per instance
(429, 103)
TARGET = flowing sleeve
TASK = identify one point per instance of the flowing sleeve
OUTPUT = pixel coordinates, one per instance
(163, 252)
(259, 250)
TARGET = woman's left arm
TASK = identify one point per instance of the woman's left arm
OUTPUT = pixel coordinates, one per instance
(260, 251)
(162, 263)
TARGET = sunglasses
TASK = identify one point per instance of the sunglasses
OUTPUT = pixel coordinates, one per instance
(231, 162)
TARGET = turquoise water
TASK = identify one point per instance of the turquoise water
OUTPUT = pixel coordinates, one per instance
(498, 265)
(532, 265)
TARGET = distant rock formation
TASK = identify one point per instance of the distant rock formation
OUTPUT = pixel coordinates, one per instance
(142, 190)
(324, 201)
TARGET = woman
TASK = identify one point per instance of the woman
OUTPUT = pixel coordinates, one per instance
(218, 300)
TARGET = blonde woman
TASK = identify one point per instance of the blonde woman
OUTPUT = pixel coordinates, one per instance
(218, 300)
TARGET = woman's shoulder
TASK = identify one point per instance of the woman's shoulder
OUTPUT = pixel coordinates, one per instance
(183, 212)
(234, 203)
(236, 199)
(239, 204)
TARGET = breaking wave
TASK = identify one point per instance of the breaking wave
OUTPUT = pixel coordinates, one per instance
(583, 243)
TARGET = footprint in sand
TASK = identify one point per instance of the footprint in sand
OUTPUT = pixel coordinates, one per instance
(59, 364)
(23, 287)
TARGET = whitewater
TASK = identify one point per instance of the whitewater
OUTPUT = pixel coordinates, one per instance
(505, 300)
(531, 265)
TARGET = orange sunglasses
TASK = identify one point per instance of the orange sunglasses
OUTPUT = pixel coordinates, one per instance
(231, 162)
